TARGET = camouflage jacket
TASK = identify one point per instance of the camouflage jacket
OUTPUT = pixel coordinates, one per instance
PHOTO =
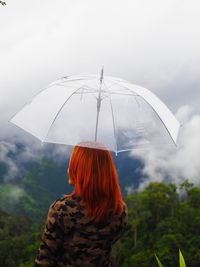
(72, 239)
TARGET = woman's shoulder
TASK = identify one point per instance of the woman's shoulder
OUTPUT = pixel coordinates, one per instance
(125, 207)
(65, 201)
(125, 211)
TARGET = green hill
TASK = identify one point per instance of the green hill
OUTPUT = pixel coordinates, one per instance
(46, 180)
(19, 240)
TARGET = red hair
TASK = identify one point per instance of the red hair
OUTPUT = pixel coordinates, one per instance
(95, 180)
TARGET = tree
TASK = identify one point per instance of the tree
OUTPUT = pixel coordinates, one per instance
(160, 222)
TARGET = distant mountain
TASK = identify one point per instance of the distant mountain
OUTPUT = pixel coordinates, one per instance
(31, 194)
(3, 170)
(129, 171)
(43, 181)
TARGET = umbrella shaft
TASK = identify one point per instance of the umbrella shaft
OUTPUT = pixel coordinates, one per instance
(98, 105)
(97, 119)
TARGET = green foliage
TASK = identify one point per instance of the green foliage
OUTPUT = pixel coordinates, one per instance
(32, 194)
(181, 260)
(27, 264)
(186, 185)
(19, 240)
(159, 263)
(160, 222)
(27, 199)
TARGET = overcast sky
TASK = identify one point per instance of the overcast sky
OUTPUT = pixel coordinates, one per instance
(151, 43)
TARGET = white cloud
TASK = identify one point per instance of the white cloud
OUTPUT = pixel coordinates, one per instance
(5, 149)
(11, 194)
(130, 189)
(175, 164)
(151, 43)
(32, 150)
(148, 43)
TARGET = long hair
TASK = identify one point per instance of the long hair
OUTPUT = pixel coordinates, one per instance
(95, 180)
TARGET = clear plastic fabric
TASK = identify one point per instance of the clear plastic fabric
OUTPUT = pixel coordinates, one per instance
(111, 111)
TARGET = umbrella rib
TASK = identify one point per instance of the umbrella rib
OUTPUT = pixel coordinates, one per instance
(114, 129)
(116, 83)
(114, 93)
(42, 90)
(156, 114)
(59, 112)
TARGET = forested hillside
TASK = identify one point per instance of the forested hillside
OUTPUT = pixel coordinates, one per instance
(31, 193)
(19, 240)
(160, 221)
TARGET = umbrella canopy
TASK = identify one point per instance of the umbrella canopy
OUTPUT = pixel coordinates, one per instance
(98, 108)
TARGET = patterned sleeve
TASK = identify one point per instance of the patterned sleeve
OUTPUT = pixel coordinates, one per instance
(126, 214)
(51, 240)
(120, 226)
(124, 218)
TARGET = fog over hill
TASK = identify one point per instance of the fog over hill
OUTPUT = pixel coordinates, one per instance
(153, 44)
(136, 168)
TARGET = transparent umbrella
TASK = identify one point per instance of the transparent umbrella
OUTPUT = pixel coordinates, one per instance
(101, 109)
